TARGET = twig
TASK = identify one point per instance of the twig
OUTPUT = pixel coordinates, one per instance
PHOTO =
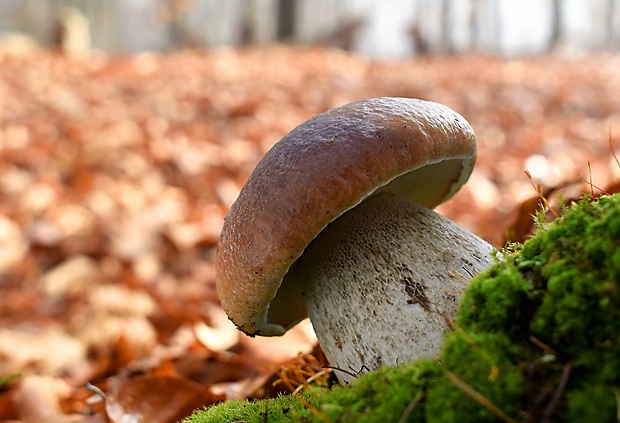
(351, 373)
(591, 183)
(460, 278)
(540, 344)
(456, 328)
(97, 391)
(611, 148)
(479, 398)
(410, 407)
(557, 395)
(541, 196)
(311, 379)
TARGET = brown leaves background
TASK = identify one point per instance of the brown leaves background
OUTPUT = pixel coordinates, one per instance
(116, 173)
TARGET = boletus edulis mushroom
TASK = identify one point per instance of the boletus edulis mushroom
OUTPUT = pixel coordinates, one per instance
(335, 223)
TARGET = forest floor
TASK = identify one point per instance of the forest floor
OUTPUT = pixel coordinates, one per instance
(116, 173)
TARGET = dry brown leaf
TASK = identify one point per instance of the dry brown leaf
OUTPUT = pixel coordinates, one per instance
(38, 350)
(74, 274)
(220, 334)
(140, 399)
(13, 245)
(38, 399)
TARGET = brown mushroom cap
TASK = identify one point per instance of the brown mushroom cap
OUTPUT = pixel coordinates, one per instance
(417, 150)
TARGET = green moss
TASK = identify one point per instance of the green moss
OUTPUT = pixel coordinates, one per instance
(579, 316)
(372, 398)
(285, 408)
(499, 301)
(538, 338)
(592, 403)
(485, 363)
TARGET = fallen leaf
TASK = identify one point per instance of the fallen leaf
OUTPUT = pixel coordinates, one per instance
(139, 399)
(42, 350)
(13, 245)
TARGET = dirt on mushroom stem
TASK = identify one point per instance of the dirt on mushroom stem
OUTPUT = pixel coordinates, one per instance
(379, 282)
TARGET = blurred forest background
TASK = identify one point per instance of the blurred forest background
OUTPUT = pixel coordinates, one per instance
(128, 127)
(393, 28)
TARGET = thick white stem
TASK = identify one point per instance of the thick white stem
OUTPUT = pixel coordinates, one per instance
(380, 281)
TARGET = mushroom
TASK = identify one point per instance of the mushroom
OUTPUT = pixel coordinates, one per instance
(334, 223)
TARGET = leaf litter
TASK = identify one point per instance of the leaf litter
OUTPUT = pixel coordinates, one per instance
(116, 174)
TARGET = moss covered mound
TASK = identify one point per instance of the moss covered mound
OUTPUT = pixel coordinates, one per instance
(537, 339)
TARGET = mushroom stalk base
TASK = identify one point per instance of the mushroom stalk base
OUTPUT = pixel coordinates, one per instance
(380, 281)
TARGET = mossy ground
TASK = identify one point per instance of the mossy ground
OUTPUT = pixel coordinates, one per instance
(537, 339)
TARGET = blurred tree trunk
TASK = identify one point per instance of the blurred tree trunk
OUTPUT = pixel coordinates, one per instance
(612, 31)
(474, 24)
(262, 21)
(556, 24)
(287, 14)
(446, 26)
(420, 39)
(485, 25)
